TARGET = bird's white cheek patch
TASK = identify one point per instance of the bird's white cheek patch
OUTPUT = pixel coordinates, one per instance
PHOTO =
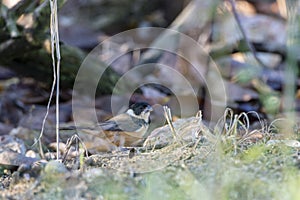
(131, 113)
(144, 116)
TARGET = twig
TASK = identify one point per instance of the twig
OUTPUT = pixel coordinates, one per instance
(55, 58)
(199, 116)
(168, 116)
(248, 43)
(52, 87)
(76, 138)
(55, 53)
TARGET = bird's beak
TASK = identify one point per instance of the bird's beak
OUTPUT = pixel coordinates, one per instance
(149, 109)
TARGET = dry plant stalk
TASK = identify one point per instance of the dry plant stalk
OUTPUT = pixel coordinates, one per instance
(55, 53)
(56, 64)
(168, 116)
(247, 40)
(77, 140)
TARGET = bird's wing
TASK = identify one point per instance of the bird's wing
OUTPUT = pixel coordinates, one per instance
(122, 122)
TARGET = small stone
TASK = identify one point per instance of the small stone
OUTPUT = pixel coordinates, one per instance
(55, 167)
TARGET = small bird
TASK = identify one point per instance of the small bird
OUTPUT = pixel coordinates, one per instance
(129, 128)
(124, 130)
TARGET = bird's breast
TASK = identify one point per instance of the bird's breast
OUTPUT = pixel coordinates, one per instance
(127, 138)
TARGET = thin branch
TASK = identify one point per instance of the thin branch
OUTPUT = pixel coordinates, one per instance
(55, 57)
(249, 44)
(275, 48)
(168, 116)
(56, 71)
(47, 111)
(69, 142)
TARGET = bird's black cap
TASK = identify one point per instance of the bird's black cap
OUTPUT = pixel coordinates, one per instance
(140, 107)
